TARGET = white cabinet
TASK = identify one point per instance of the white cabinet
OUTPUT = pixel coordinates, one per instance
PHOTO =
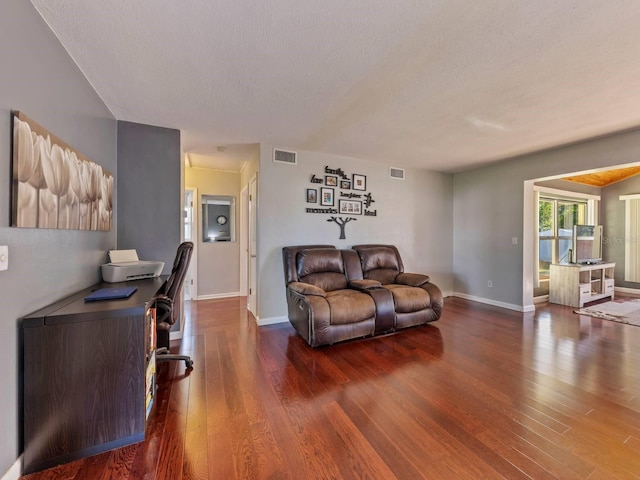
(574, 285)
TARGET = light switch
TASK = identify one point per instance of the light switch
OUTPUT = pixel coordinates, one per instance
(4, 257)
(514, 240)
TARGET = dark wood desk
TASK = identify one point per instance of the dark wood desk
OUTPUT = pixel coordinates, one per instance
(84, 376)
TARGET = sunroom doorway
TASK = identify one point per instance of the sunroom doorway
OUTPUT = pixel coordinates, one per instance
(557, 212)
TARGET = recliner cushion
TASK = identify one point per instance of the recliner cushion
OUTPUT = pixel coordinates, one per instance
(382, 275)
(409, 299)
(379, 263)
(378, 257)
(322, 267)
(350, 306)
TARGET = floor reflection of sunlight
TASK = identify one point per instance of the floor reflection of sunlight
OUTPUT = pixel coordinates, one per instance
(582, 351)
(554, 348)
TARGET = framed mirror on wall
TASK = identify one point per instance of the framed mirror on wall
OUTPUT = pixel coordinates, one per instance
(218, 218)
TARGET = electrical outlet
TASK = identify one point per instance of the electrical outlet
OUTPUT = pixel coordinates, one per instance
(514, 240)
(4, 257)
(489, 283)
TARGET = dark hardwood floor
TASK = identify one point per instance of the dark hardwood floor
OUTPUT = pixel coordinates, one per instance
(484, 393)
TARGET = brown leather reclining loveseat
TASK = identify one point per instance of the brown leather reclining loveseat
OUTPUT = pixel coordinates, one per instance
(335, 295)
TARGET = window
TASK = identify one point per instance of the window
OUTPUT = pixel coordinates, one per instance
(556, 218)
(632, 235)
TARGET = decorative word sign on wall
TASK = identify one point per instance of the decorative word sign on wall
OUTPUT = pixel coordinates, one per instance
(339, 193)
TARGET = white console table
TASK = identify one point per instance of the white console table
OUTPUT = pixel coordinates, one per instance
(576, 284)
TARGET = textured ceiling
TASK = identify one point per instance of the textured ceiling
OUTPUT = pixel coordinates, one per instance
(440, 84)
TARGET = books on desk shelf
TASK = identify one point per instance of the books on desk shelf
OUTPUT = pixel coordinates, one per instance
(150, 384)
(150, 329)
(150, 340)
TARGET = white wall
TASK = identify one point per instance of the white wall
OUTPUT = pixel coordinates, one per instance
(218, 262)
(414, 214)
(40, 79)
(250, 168)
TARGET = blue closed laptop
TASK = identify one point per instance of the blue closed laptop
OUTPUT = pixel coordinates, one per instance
(110, 293)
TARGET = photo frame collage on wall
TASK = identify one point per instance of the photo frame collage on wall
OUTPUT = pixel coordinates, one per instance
(336, 192)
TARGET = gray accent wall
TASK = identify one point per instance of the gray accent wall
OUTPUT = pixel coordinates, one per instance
(40, 79)
(489, 210)
(149, 191)
(414, 214)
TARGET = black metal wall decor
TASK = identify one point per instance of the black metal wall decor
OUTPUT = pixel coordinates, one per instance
(341, 223)
(352, 197)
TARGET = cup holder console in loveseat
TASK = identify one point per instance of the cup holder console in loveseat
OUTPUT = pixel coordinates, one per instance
(335, 295)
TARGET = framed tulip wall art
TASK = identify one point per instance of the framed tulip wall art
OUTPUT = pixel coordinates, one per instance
(55, 186)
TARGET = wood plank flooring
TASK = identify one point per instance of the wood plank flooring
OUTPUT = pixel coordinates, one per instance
(484, 393)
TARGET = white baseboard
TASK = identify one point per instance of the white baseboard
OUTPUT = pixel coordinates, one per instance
(213, 296)
(448, 293)
(633, 291)
(271, 320)
(541, 299)
(176, 335)
(495, 303)
(14, 472)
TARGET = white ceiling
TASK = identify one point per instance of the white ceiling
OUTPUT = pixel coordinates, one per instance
(439, 84)
(229, 158)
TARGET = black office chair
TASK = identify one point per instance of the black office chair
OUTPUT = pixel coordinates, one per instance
(167, 303)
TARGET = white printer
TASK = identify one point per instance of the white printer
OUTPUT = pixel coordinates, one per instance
(124, 265)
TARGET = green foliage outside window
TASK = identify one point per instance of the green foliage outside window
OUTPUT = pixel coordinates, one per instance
(545, 216)
(568, 214)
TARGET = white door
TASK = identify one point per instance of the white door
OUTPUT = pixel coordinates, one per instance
(252, 299)
(190, 288)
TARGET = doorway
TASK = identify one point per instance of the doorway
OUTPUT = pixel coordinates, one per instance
(602, 178)
(222, 237)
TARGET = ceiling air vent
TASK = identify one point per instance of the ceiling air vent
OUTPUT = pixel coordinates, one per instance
(285, 156)
(396, 173)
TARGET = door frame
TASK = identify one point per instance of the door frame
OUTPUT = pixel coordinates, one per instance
(244, 241)
(252, 298)
(191, 293)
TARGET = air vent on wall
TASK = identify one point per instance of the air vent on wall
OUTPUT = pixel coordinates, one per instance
(396, 173)
(285, 156)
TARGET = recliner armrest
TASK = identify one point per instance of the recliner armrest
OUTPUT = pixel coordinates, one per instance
(364, 285)
(307, 289)
(412, 279)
